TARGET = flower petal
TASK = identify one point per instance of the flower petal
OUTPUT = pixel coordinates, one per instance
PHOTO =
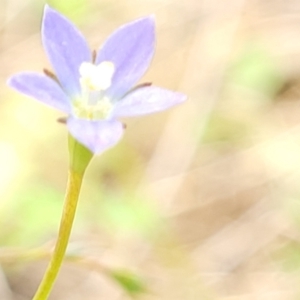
(147, 100)
(130, 48)
(66, 49)
(96, 135)
(42, 88)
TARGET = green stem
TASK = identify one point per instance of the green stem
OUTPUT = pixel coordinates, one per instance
(80, 157)
(68, 214)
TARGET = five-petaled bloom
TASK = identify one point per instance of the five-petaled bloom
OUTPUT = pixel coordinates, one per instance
(95, 91)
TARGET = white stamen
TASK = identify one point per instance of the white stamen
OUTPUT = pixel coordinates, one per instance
(96, 78)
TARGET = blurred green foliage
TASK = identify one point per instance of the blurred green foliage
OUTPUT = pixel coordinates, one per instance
(130, 215)
(222, 128)
(291, 206)
(31, 215)
(289, 257)
(255, 68)
(77, 10)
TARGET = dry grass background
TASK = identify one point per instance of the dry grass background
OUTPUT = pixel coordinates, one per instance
(202, 201)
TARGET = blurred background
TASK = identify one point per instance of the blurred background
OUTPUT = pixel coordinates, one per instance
(199, 202)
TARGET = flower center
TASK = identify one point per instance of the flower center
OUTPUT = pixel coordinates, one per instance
(94, 81)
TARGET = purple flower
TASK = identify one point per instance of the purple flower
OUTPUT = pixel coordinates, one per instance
(95, 91)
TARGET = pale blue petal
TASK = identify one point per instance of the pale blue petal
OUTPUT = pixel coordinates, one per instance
(66, 49)
(147, 100)
(97, 136)
(42, 88)
(130, 48)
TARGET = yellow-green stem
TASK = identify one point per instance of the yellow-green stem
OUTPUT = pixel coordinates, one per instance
(72, 195)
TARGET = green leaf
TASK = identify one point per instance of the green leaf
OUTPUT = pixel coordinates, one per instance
(130, 282)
